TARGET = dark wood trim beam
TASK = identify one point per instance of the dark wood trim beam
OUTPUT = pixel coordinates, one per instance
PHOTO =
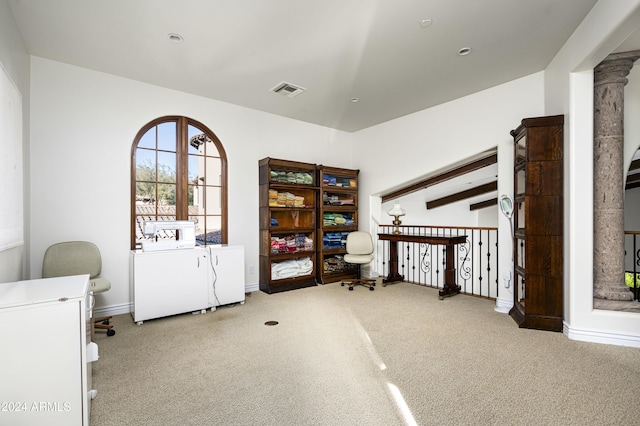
(633, 178)
(483, 204)
(449, 174)
(632, 185)
(635, 165)
(478, 190)
(633, 181)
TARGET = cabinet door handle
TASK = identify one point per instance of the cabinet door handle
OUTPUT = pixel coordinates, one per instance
(198, 262)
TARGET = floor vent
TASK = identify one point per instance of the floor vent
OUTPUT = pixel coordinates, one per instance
(287, 89)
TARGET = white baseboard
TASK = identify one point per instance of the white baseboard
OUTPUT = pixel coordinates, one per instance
(250, 288)
(503, 306)
(105, 311)
(127, 308)
(607, 338)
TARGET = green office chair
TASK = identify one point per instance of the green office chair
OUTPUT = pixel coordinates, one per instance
(78, 258)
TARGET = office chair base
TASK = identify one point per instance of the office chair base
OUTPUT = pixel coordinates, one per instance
(367, 283)
(102, 323)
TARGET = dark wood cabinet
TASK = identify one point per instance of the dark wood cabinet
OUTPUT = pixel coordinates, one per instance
(288, 201)
(538, 223)
(337, 217)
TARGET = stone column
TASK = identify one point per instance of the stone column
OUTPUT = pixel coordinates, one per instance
(608, 177)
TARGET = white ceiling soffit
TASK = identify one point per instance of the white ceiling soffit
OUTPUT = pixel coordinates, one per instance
(395, 57)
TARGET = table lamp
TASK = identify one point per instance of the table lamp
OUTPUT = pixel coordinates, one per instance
(396, 212)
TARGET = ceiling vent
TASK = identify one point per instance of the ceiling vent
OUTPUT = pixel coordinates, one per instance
(287, 89)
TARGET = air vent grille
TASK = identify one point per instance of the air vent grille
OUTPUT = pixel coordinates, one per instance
(287, 89)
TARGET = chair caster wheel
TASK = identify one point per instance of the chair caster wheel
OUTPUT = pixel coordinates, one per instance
(371, 288)
(105, 322)
(111, 332)
(350, 288)
(342, 284)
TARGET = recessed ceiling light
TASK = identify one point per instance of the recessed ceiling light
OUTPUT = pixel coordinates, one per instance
(464, 51)
(176, 38)
(425, 23)
(355, 100)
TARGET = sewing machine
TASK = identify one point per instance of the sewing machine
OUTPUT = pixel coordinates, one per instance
(185, 237)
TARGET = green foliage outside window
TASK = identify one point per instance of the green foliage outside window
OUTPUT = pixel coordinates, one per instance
(146, 185)
(628, 278)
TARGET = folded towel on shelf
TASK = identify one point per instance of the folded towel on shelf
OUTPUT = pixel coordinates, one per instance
(335, 264)
(291, 268)
(335, 239)
(308, 244)
(337, 219)
(291, 243)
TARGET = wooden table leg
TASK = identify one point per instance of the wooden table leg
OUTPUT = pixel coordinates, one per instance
(450, 287)
(393, 276)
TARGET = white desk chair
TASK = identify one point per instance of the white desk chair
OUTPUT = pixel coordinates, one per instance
(360, 252)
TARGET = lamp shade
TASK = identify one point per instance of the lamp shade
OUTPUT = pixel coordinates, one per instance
(396, 210)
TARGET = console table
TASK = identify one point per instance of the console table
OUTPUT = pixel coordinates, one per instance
(450, 287)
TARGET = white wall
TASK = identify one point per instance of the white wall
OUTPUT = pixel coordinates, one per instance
(631, 146)
(454, 214)
(632, 223)
(83, 125)
(632, 210)
(15, 62)
(410, 147)
(631, 112)
(569, 90)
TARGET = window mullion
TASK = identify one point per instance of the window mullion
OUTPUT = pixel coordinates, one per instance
(182, 208)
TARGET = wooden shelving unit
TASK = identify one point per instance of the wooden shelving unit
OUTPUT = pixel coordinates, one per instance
(288, 201)
(337, 216)
(538, 223)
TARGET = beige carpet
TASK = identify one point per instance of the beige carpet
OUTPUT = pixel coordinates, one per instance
(393, 356)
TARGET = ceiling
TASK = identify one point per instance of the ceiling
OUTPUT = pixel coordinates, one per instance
(395, 57)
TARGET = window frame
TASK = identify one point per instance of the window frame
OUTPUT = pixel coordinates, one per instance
(182, 179)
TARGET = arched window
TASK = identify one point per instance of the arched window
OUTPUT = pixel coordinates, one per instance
(179, 172)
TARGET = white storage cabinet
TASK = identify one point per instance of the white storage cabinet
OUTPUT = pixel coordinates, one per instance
(173, 282)
(46, 355)
(226, 275)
